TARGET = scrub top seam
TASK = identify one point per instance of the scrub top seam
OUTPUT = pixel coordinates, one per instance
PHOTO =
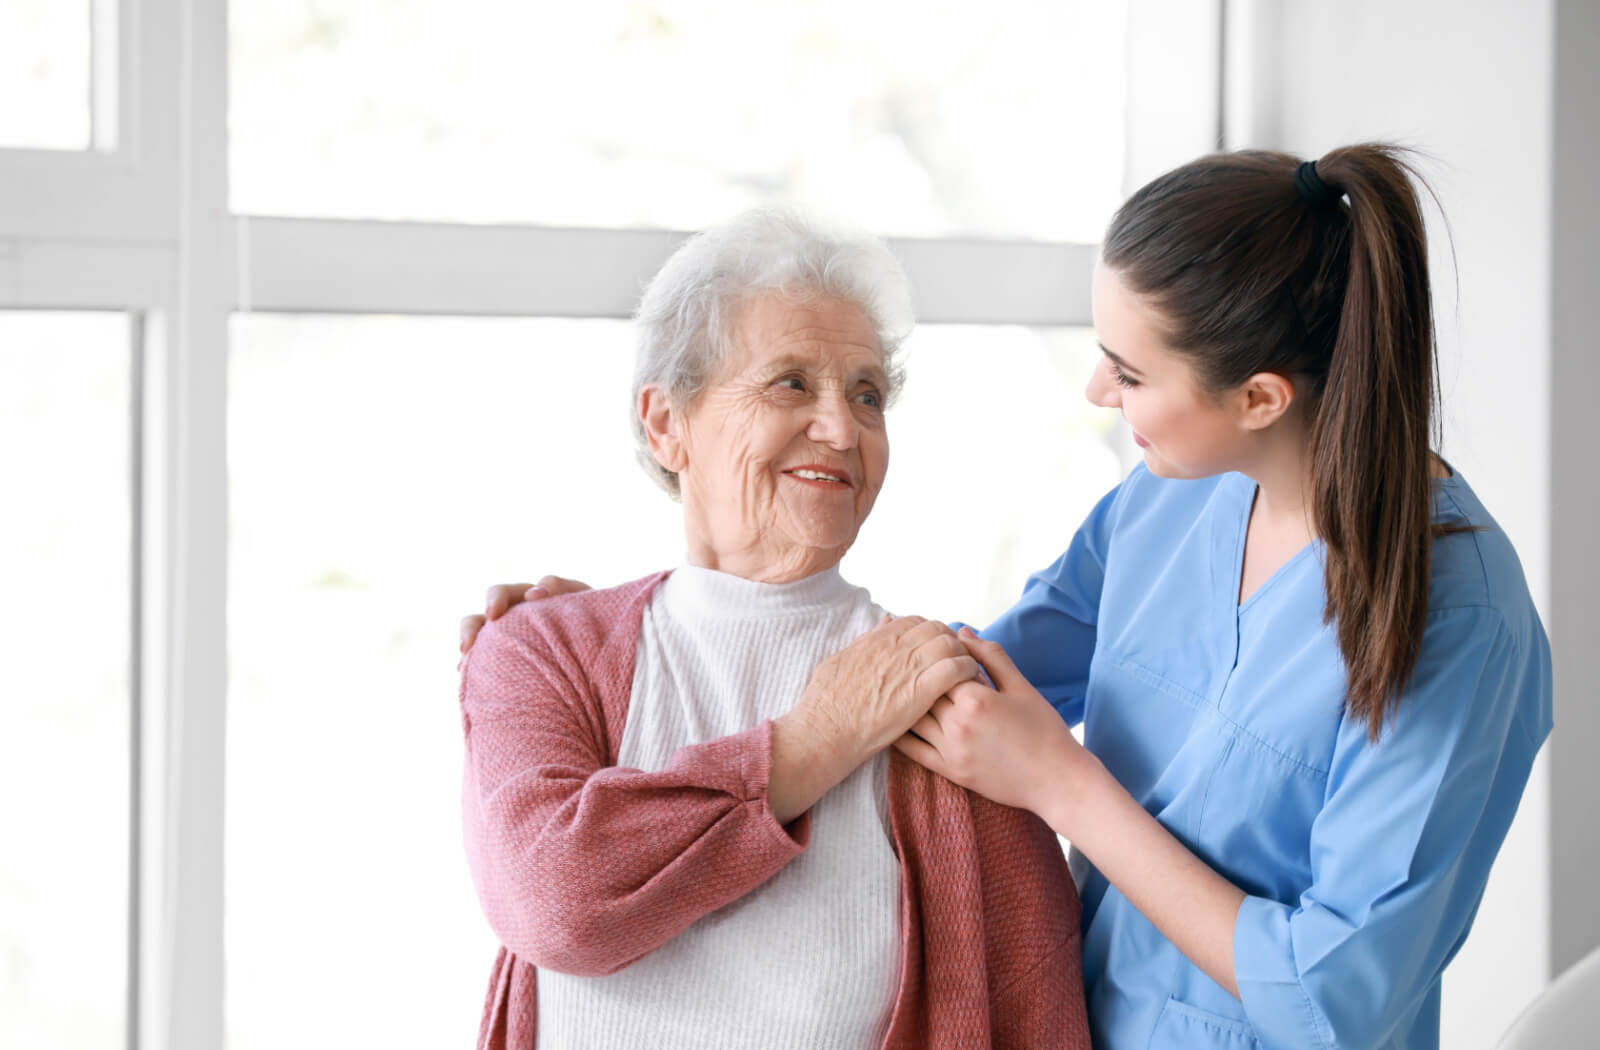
(1316, 771)
(1465, 606)
(1205, 796)
(1204, 704)
(1477, 547)
(1221, 1025)
(1312, 1013)
(1161, 683)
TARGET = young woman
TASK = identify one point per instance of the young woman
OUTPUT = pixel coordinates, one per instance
(1311, 679)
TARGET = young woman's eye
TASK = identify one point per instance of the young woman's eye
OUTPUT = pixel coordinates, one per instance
(1122, 378)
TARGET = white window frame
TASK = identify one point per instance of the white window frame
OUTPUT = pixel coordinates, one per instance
(140, 223)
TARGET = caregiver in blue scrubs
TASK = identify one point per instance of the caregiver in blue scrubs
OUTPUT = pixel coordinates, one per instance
(1311, 679)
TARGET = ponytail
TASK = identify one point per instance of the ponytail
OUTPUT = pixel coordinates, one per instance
(1259, 264)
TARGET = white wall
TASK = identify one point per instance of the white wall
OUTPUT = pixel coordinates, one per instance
(1575, 376)
(1470, 82)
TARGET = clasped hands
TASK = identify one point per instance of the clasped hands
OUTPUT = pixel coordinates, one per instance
(1004, 741)
(999, 738)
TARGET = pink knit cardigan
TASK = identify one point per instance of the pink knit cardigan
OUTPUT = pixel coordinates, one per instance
(585, 867)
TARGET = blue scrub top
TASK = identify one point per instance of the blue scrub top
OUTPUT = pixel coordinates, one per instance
(1364, 863)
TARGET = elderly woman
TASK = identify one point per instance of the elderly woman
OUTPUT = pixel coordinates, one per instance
(681, 816)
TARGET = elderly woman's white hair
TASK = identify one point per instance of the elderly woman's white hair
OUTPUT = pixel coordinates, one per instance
(687, 316)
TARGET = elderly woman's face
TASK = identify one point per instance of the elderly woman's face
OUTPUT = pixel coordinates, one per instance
(785, 451)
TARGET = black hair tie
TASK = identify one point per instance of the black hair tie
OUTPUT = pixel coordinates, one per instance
(1316, 192)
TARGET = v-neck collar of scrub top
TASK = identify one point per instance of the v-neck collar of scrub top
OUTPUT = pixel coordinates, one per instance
(1242, 493)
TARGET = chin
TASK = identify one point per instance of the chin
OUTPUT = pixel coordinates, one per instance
(1162, 469)
(1158, 466)
(827, 539)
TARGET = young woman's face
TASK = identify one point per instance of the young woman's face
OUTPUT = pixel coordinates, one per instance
(1184, 430)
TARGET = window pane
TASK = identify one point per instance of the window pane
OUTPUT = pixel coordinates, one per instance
(383, 471)
(993, 117)
(64, 698)
(44, 74)
(996, 459)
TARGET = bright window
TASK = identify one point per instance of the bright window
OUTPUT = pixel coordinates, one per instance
(382, 471)
(44, 74)
(64, 695)
(995, 459)
(399, 415)
(989, 117)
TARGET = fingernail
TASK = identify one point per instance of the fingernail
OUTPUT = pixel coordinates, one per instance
(535, 593)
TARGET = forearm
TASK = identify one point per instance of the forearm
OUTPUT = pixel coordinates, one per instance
(1193, 906)
(808, 759)
(586, 871)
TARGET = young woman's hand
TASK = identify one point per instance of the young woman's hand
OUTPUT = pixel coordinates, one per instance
(1010, 746)
(1006, 743)
(502, 596)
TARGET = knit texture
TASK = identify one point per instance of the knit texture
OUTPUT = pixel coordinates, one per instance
(818, 945)
(584, 867)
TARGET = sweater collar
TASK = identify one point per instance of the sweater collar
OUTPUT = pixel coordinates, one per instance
(695, 593)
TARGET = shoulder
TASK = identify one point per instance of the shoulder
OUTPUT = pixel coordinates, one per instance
(1475, 566)
(1481, 616)
(582, 620)
(567, 638)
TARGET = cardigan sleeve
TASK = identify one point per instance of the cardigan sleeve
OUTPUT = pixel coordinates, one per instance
(583, 867)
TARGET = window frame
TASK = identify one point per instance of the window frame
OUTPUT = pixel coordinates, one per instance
(141, 223)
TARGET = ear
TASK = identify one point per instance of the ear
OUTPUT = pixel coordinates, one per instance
(660, 421)
(1263, 399)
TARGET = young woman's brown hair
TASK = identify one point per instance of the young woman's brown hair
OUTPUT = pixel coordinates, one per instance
(1257, 263)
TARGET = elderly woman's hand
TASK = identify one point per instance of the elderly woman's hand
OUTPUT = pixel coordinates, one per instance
(502, 596)
(876, 688)
(858, 702)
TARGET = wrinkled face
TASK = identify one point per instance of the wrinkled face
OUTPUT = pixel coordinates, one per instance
(1184, 430)
(786, 449)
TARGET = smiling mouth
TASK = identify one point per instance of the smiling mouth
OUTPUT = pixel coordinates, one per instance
(819, 476)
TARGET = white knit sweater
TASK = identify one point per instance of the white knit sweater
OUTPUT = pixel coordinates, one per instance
(810, 960)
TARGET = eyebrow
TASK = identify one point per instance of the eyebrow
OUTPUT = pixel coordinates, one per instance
(874, 373)
(1119, 362)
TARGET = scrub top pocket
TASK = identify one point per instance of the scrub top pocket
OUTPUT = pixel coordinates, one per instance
(1185, 1027)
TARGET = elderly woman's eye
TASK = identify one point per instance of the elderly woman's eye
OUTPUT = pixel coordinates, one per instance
(792, 382)
(871, 398)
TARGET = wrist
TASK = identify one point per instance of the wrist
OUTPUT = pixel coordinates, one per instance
(829, 739)
(1077, 790)
(806, 762)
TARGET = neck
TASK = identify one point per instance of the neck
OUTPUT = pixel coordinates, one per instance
(1282, 473)
(760, 565)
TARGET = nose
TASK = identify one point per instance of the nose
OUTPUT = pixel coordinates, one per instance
(1102, 389)
(834, 424)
